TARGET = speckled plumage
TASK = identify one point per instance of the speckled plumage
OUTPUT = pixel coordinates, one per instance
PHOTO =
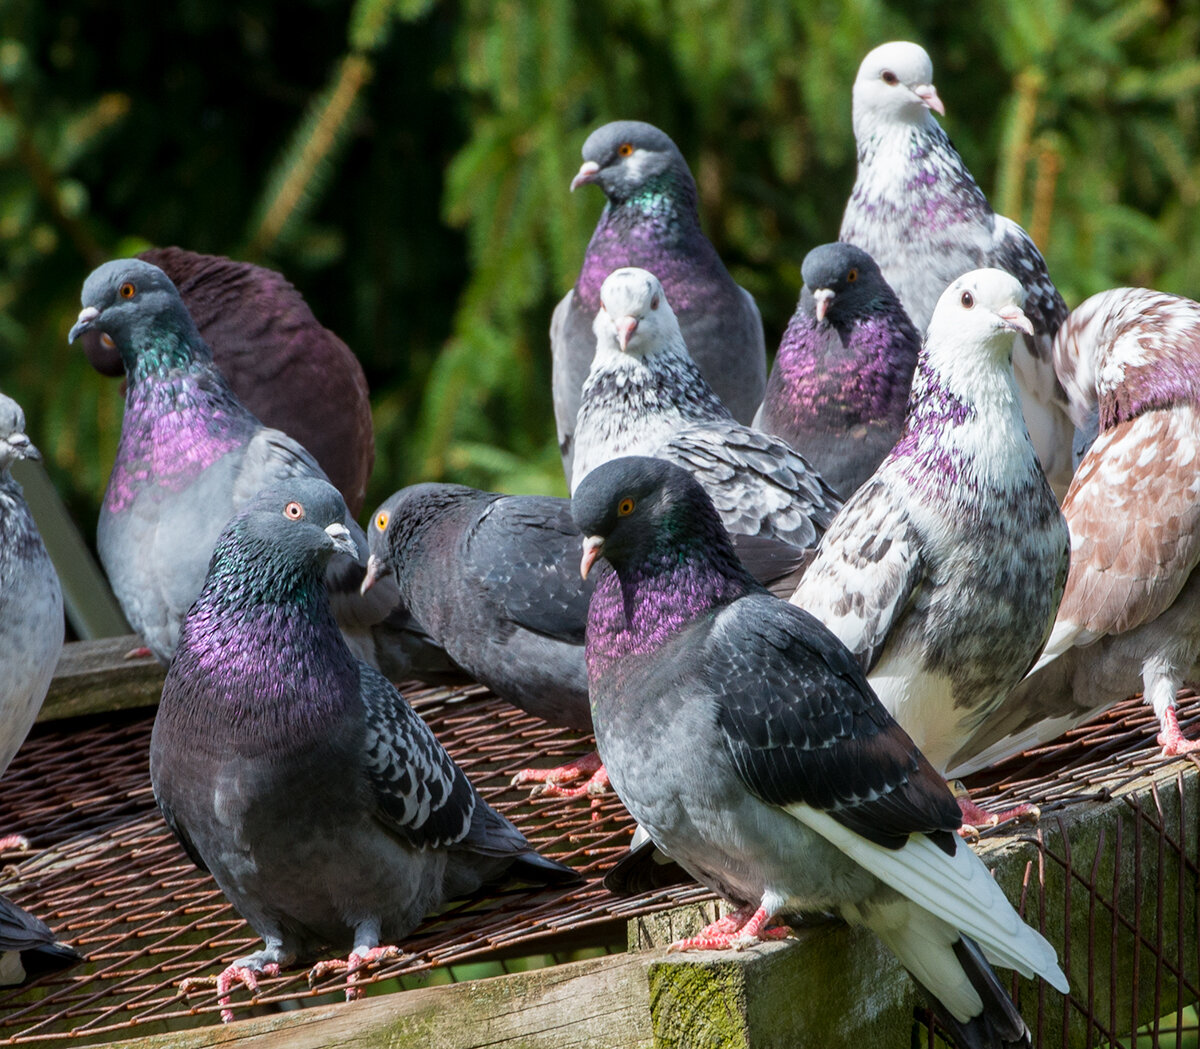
(838, 390)
(923, 218)
(266, 711)
(644, 395)
(943, 572)
(743, 737)
(650, 220)
(1130, 615)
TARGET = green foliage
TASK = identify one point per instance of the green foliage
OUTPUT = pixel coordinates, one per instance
(406, 164)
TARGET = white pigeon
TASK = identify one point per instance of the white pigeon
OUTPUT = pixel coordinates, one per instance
(916, 209)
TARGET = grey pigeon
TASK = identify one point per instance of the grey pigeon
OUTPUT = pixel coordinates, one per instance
(293, 373)
(744, 738)
(265, 711)
(31, 606)
(923, 218)
(190, 455)
(650, 220)
(943, 572)
(838, 390)
(1130, 615)
(28, 946)
(644, 395)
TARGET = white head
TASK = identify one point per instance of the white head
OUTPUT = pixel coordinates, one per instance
(981, 308)
(895, 85)
(634, 316)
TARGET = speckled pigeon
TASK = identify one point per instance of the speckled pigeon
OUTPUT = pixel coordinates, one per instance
(943, 572)
(923, 218)
(838, 390)
(744, 738)
(650, 220)
(28, 946)
(31, 606)
(644, 395)
(1130, 615)
(189, 456)
(293, 373)
(265, 711)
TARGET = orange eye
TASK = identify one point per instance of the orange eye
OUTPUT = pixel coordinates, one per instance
(625, 149)
(127, 290)
(381, 520)
(852, 276)
(625, 507)
(968, 300)
(293, 511)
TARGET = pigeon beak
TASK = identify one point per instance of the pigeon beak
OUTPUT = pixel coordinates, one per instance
(587, 173)
(21, 447)
(928, 95)
(1015, 320)
(87, 317)
(626, 326)
(593, 547)
(822, 297)
(377, 569)
(343, 542)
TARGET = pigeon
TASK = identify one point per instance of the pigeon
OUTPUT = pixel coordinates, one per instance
(923, 218)
(942, 573)
(650, 220)
(644, 395)
(289, 370)
(1130, 615)
(838, 390)
(189, 456)
(491, 579)
(745, 740)
(264, 711)
(28, 946)
(31, 604)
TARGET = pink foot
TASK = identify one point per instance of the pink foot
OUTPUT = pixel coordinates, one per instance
(740, 928)
(245, 975)
(141, 652)
(14, 842)
(580, 768)
(975, 817)
(351, 967)
(1171, 738)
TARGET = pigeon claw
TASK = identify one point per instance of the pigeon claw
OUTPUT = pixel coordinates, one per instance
(224, 982)
(975, 817)
(1172, 740)
(581, 768)
(14, 843)
(352, 967)
(736, 931)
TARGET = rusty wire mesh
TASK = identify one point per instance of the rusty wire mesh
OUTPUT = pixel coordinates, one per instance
(106, 874)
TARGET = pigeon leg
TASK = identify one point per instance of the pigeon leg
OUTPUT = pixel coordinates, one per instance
(550, 782)
(1171, 738)
(244, 971)
(974, 816)
(351, 966)
(741, 928)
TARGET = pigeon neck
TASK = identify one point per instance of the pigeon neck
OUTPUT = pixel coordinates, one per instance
(19, 538)
(1163, 383)
(168, 351)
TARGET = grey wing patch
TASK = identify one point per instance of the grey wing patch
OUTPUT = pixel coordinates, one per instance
(759, 485)
(1015, 252)
(272, 456)
(419, 790)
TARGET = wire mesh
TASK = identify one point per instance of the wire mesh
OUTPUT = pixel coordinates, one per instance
(106, 874)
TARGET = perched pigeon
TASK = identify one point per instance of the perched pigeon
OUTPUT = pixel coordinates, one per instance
(266, 711)
(27, 946)
(651, 220)
(293, 373)
(190, 455)
(839, 386)
(943, 572)
(31, 606)
(645, 396)
(744, 738)
(1130, 614)
(918, 211)
(491, 579)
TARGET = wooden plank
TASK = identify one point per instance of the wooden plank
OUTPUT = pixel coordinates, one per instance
(95, 677)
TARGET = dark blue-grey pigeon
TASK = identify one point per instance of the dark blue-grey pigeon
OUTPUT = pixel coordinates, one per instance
(925, 221)
(650, 220)
(324, 807)
(31, 606)
(942, 573)
(190, 455)
(28, 946)
(745, 740)
(838, 390)
(644, 395)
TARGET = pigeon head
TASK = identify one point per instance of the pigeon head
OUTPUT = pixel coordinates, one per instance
(133, 307)
(627, 157)
(840, 281)
(634, 316)
(14, 443)
(397, 521)
(895, 86)
(982, 307)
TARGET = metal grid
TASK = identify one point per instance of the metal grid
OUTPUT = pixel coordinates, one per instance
(106, 874)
